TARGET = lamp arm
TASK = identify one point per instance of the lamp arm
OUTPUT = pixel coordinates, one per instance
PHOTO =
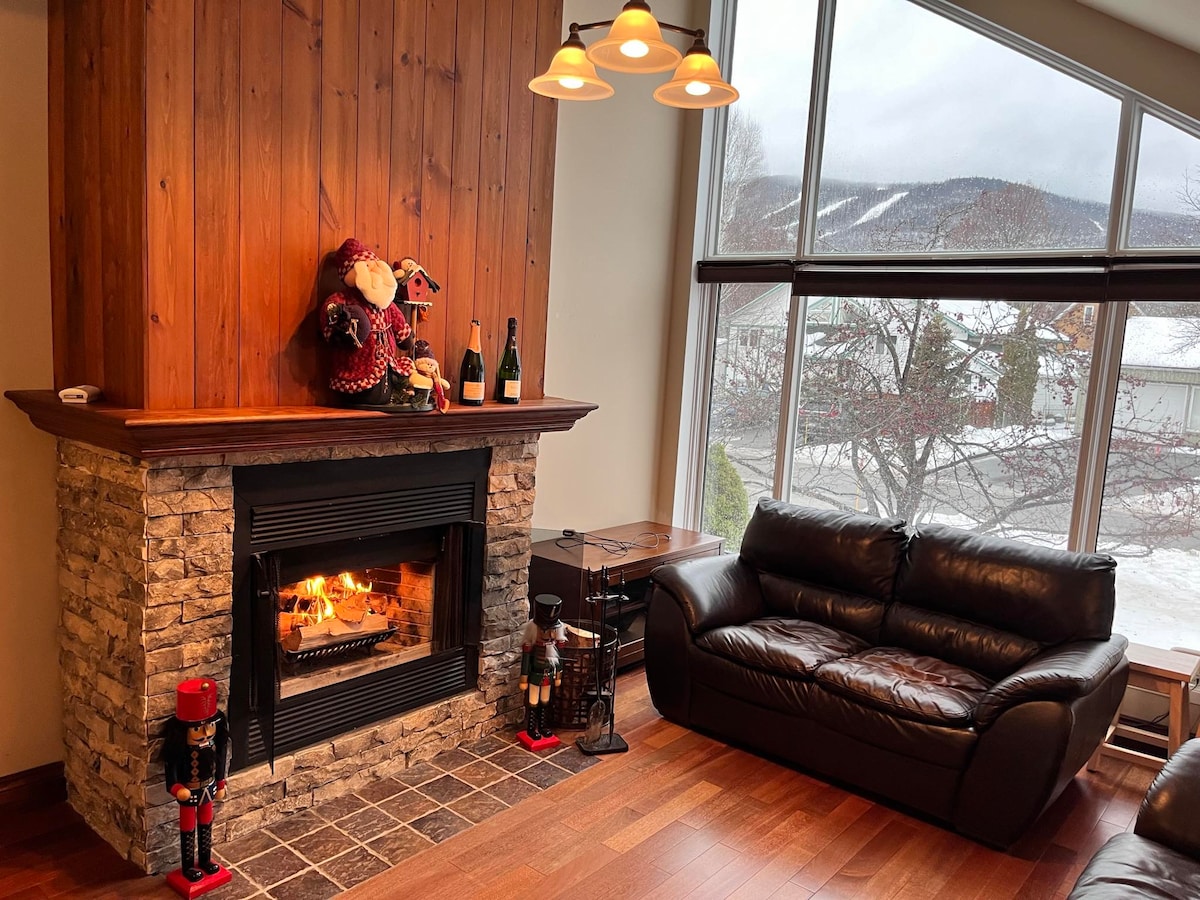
(698, 33)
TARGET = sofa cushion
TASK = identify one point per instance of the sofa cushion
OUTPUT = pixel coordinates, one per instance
(847, 552)
(1132, 866)
(796, 599)
(989, 651)
(791, 647)
(1047, 596)
(907, 685)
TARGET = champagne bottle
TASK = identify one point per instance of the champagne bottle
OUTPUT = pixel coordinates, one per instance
(470, 375)
(508, 376)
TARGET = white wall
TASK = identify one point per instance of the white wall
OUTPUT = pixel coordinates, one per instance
(611, 281)
(30, 733)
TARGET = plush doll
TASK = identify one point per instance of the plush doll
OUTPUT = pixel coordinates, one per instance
(429, 371)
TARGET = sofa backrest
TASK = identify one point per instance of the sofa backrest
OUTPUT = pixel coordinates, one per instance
(990, 604)
(834, 568)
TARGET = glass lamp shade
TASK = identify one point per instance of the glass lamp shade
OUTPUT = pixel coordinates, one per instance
(571, 76)
(696, 84)
(634, 43)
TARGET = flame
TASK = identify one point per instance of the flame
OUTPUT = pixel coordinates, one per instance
(326, 593)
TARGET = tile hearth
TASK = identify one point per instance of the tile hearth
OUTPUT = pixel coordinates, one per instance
(319, 852)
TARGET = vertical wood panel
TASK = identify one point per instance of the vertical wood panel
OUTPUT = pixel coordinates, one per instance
(301, 379)
(122, 200)
(408, 116)
(437, 140)
(217, 103)
(374, 124)
(56, 15)
(493, 155)
(261, 192)
(339, 123)
(541, 203)
(464, 179)
(516, 178)
(170, 205)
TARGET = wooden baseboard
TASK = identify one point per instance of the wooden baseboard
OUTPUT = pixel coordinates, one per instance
(41, 786)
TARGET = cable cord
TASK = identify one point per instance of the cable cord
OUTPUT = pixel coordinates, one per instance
(646, 540)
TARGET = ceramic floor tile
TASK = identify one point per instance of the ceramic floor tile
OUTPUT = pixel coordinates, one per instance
(440, 824)
(514, 759)
(295, 825)
(324, 844)
(273, 866)
(512, 790)
(252, 844)
(340, 808)
(408, 806)
(544, 775)
(477, 806)
(354, 867)
(419, 774)
(480, 773)
(380, 790)
(452, 759)
(370, 822)
(573, 759)
(486, 746)
(400, 844)
(445, 789)
(239, 888)
(312, 885)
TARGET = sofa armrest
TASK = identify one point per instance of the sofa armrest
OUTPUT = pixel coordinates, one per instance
(713, 591)
(1065, 672)
(1168, 814)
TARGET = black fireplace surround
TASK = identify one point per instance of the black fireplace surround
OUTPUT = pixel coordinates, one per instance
(298, 519)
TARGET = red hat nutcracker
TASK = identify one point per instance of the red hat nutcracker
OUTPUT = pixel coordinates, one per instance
(195, 754)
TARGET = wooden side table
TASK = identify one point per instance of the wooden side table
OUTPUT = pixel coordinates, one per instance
(560, 567)
(1167, 672)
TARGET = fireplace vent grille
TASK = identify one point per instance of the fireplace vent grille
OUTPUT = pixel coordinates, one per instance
(360, 515)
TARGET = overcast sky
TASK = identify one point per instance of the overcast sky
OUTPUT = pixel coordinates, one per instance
(915, 97)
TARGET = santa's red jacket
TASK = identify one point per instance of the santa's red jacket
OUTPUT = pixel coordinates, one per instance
(358, 368)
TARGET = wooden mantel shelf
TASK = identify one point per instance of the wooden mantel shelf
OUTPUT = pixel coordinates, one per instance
(149, 433)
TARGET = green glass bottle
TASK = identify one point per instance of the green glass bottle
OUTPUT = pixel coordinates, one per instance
(470, 375)
(508, 375)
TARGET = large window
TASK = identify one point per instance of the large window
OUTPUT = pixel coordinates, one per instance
(954, 323)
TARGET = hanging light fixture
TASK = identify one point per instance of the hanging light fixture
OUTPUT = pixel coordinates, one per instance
(634, 43)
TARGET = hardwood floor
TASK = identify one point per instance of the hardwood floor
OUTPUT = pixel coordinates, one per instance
(680, 815)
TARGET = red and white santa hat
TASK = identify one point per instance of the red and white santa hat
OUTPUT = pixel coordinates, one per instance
(352, 250)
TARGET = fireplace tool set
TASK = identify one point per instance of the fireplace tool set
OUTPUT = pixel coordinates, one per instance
(595, 741)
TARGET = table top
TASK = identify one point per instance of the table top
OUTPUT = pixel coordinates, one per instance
(1163, 663)
(659, 542)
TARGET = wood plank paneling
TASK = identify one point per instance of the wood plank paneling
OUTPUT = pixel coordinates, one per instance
(300, 369)
(122, 312)
(210, 156)
(261, 202)
(464, 180)
(170, 204)
(218, 197)
(437, 141)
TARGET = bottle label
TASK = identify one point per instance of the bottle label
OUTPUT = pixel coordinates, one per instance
(472, 390)
(512, 390)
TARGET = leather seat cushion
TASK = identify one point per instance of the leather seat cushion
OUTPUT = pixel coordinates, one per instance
(784, 646)
(907, 685)
(1131, 866)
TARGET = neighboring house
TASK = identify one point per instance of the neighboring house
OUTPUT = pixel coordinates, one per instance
(1160, 376)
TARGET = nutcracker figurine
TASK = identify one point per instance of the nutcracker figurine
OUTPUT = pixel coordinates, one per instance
(194, 751)
(541, 670)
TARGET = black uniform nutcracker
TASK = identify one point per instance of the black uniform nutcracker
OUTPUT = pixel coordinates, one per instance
(195, 753)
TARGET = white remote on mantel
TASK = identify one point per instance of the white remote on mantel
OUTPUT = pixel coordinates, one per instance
(83, 393)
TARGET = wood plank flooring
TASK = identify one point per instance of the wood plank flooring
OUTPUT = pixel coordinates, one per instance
(680, 815)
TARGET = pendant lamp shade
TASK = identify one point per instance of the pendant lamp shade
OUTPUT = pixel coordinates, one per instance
(697, 83)
(571, 75)
(634, 43)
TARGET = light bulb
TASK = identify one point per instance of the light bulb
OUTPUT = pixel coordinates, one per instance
(635, 49)
(697, 88)
(571, 83)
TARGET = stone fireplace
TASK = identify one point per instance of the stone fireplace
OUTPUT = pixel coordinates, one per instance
(154, 591)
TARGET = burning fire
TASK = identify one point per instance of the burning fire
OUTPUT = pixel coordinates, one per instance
(322, 595)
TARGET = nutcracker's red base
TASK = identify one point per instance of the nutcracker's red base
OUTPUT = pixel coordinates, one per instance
(190, 889)
(540, 744)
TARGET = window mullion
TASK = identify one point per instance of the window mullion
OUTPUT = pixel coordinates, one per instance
(1120, 207)
(692, 452)
(789, 398)
(1103, 383)
(815, 136)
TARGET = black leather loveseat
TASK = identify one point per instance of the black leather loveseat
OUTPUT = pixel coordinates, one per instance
(965, 676)
(1161, 857)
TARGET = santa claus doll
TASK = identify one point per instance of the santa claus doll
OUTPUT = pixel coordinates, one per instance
(371, 339)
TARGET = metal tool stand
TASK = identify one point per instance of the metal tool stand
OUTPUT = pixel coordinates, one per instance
(609, 742)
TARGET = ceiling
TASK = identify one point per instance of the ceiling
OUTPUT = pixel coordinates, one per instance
(1177, 21)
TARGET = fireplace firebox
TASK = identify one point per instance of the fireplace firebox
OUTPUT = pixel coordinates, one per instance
(357, 588)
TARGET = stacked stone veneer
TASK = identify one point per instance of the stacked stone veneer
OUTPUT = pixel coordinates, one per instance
(146, 558)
